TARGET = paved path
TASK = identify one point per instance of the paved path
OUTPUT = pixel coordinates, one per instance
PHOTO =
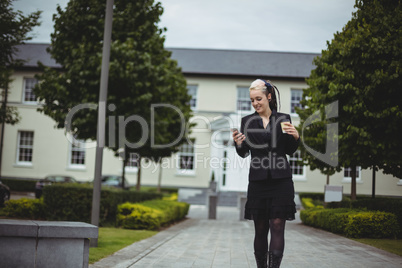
(228, 242)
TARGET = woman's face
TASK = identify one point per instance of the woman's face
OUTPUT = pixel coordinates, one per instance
(260, 101)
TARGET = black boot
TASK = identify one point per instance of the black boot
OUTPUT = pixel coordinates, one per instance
(274, 260)
(261, 260)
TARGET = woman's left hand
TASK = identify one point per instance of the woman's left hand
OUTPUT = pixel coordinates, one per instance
(291, 130)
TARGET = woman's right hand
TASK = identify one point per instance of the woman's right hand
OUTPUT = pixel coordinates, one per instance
(238, 137)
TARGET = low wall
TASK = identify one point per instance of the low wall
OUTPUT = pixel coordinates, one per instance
(27, 243)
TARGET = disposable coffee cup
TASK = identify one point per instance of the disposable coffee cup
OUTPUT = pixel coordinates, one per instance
(283, 125)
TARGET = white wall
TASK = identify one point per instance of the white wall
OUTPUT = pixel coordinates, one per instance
(216, 98)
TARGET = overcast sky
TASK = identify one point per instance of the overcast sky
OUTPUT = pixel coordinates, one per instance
(268, 25)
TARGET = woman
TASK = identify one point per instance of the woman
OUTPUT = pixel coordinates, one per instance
(270, 194)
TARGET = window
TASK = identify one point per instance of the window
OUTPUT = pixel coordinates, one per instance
(29, 84)
(186, 157)
(243, 99)
(297, 169)
(296, 97)
(192, 91)
(25, 147)
(77, 153)
(132, 162)
(347, 173)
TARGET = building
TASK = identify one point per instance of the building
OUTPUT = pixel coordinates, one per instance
(218, 81)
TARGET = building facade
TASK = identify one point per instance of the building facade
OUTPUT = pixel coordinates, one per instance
(218, 82)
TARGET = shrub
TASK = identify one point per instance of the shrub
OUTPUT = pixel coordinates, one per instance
(73, 202)
(386, 204)
(19, 185)
(151, 214)
(372, 224)
(33, 209)
(313, 196)
(310, 203)
(392, 205)
(352, 223)
(137, 216)
(171, 197)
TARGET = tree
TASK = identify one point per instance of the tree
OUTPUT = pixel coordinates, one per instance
(14, 29)
(361, 69)
(141, 74)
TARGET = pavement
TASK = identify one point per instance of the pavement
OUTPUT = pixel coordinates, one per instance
(228, 242)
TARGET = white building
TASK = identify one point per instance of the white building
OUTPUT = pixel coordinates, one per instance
(218, 80)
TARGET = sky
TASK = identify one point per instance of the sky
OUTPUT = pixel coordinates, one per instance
(264, 25)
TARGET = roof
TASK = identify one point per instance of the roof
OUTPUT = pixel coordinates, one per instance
(244, 63)
(209, 61)
(33, 52)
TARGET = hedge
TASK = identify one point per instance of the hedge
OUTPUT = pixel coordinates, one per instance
(352, 223)
(18, 185)
(150, 215)
(386, 204)
(33, 209)
(73, 202)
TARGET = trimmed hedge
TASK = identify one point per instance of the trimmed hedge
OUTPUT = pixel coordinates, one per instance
(352, 223)
(386, 204)
(150, 215)
(20, 185)
(73, 202)
(25, 208)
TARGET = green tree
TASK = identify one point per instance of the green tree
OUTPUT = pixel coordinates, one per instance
(141, 74)
(14, 29)
(361, 69)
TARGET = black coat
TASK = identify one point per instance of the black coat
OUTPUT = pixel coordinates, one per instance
(268, 147)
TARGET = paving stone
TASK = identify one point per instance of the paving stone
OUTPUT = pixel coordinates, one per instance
(228, 242)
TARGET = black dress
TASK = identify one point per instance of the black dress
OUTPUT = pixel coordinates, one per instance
(270, 199)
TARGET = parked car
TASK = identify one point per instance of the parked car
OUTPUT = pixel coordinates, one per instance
(114, 180)
(51, 179)
(4, 194)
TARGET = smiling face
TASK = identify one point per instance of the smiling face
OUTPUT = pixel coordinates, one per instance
(260, 101)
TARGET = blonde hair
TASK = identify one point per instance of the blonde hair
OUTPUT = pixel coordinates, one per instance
(267, 87)
(258, 85)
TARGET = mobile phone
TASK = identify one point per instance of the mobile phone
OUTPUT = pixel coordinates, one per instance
(235, 129)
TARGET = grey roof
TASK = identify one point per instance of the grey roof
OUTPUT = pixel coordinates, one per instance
(34, 52)
(210, 61)
(244, 63)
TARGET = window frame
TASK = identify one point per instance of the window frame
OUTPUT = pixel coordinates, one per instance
(80, 147)
(28, 147)
(292, 159)
(131, 168)
(194, 97)
(190, 152)
(349, 179)
(294, 90)
(24, 91)
(243, 99)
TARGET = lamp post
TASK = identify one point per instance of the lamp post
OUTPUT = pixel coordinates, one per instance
(100, 140)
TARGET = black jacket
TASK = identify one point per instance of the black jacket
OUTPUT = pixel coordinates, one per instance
(268, 147)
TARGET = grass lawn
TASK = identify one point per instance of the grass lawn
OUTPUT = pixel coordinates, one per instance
(113, 239)
(390, 245)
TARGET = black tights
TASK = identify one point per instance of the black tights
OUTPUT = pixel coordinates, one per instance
(277, 243)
